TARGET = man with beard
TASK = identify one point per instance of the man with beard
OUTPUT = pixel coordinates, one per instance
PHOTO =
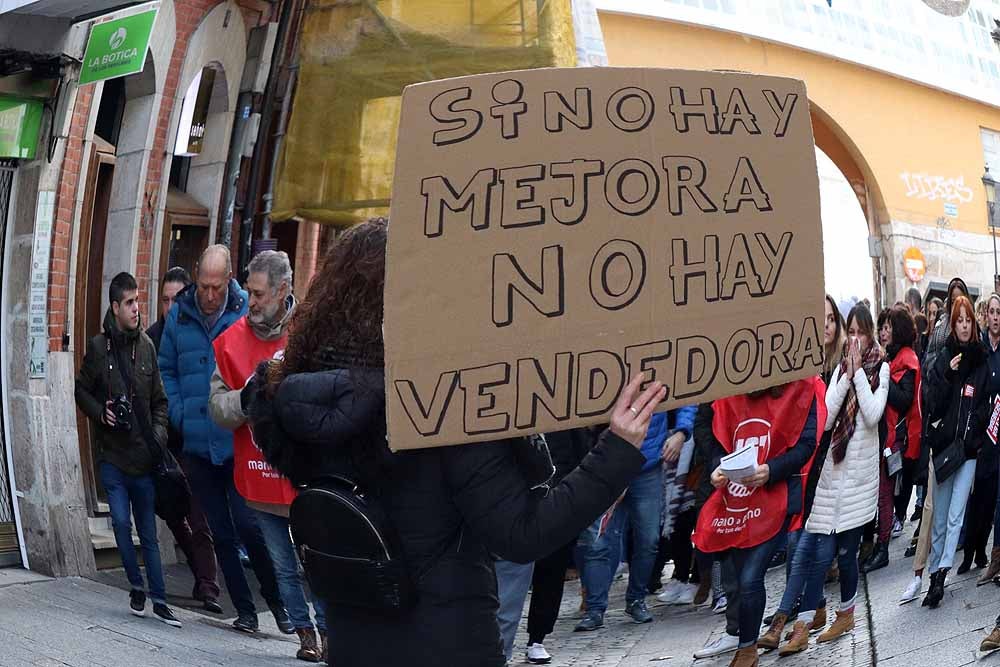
(201, 313)
(257, 337)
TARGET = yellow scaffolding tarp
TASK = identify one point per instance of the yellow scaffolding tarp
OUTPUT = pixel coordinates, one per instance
(356, 56)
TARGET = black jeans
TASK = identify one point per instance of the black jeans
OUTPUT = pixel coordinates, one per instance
(547, 583)
(749, 567)
(902, 500)
(232, 521)
(979, 515)
(679, 549)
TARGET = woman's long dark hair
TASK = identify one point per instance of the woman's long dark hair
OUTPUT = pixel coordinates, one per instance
(340, 320)
(904, 330)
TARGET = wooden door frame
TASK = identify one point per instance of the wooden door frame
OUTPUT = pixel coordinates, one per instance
(101, 154)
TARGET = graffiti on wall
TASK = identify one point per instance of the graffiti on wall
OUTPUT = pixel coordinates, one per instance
(934, 188)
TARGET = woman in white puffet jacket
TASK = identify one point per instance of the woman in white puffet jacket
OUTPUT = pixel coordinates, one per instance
(847, 492)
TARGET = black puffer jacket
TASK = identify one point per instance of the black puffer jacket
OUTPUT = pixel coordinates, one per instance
(953, 412)
(452, 506)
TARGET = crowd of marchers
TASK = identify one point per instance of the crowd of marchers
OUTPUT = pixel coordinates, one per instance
(254, 424)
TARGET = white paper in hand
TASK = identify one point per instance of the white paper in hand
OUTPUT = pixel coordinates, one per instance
(740, 464)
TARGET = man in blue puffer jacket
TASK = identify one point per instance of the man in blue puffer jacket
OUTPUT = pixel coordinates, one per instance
(641, 507)
(201, 312)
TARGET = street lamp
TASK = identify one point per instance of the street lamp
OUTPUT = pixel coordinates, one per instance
(991, 220)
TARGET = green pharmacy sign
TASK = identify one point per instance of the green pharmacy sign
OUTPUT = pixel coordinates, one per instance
(117, 48)
(20, 121)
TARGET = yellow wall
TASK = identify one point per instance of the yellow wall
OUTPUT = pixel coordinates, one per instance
(898, 127)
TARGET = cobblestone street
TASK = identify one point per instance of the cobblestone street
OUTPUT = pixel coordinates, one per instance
(904, 636)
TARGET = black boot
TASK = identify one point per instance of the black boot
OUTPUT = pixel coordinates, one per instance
(936, 592)
(966, 562)
(878, 560)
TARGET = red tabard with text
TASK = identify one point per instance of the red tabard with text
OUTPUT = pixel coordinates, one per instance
(237, 353)
(736, 516)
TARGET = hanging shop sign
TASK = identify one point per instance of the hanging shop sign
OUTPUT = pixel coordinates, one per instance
(117, 47)
(194, 114)
(20, 121)
(914, 264)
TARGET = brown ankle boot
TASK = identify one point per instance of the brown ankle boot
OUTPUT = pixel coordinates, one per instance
(992, 642)
(992, 570)
(798, 642)
(841, 626)
(772, 637)
(819, 621)
(308, 649)
(745, 657)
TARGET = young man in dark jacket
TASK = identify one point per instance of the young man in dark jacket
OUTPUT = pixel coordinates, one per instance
(120, 391)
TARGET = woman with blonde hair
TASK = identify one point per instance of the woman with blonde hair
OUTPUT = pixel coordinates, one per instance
(833, 338)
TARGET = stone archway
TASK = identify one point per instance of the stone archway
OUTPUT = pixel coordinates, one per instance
(220, 43)
(838, 146)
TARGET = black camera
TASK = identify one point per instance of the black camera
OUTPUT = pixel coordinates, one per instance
(121, 408)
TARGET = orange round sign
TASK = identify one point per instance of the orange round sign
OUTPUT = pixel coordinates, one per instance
(913, 264)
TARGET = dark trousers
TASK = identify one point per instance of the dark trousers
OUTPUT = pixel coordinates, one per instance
(886, 508)
(979, 514)
(677, 548)
(749, 566)
(194, 537)
(902, 501)
(547, 592)
(232, 522)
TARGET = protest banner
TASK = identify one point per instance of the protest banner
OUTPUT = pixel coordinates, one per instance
(553, 232)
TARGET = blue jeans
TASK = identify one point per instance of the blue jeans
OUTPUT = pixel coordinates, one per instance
(950, 499)
(286, 569)
(641, 509)
(231, 522)
(513, 582)
(750, 566)
(135, 495)
(824, 548)
(796, 572)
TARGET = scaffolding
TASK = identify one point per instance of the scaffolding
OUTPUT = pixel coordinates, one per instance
(356, 56)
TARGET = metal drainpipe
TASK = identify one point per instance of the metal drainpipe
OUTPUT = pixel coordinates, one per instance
(286, 103)
(233, 161)
(256, 162)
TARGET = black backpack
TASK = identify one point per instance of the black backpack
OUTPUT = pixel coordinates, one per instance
(349, 548)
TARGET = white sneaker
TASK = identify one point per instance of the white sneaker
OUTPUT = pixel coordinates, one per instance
(720, 605)
(723, 644)
(897, 528)
(687, 593)
(912, 591)
(537, 655)
(670, 592)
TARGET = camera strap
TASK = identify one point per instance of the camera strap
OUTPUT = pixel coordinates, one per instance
(137, 412)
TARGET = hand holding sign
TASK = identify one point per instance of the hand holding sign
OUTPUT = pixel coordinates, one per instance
(630, 418)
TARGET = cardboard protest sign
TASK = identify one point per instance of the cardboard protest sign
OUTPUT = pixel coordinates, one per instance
(553, 232)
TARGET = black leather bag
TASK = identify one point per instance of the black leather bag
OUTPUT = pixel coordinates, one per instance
(349, 548)
(948, 461)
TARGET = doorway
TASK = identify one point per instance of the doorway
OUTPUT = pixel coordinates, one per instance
(88, 318)
(10, 551)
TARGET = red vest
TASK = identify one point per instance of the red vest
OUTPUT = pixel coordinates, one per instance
(905, 360)
(237, 353)
(738, 517)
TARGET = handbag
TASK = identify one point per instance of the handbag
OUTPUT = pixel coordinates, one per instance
(947, 462)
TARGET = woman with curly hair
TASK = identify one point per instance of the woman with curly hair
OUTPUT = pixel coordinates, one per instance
(321, 411)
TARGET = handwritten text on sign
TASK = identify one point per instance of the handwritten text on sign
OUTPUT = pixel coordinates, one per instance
(555, 231)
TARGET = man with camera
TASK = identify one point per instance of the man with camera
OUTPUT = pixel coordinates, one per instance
(119, 389)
